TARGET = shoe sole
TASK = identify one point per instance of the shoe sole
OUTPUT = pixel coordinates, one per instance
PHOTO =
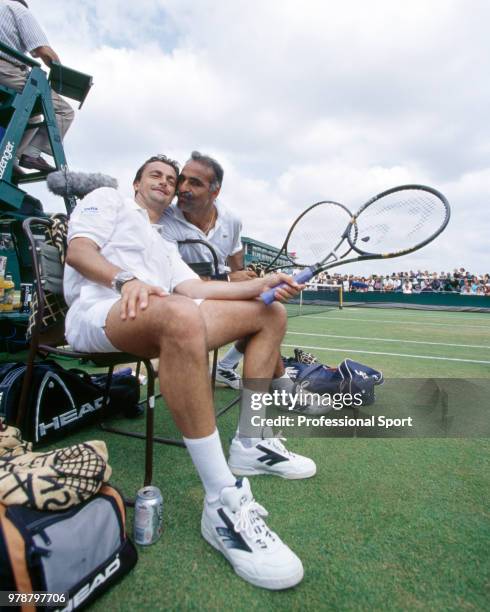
(255, 472)
(228, 383)
(278, 584)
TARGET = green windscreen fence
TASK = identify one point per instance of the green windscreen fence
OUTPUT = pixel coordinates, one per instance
(328, 297)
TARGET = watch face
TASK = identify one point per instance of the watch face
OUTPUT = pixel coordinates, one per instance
(124, 277)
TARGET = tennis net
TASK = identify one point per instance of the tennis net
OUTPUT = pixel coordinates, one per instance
(316, 298)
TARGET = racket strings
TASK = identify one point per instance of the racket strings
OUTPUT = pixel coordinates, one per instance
(310, 246)
(395, 223)
(316, 235)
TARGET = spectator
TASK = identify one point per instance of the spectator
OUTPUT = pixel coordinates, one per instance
(388, 284)
(435, 283)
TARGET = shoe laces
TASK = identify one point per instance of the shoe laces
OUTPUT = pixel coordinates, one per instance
(277, 443)
(249, 521)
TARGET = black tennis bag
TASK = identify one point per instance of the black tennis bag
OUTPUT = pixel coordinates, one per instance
(61, 401)
(349, 377)
(78, 552)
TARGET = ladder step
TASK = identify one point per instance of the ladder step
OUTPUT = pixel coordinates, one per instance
(31, 177)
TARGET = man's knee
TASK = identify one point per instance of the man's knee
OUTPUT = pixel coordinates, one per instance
(62, 109)
(67, 115)
(278, 313)
(178, 319)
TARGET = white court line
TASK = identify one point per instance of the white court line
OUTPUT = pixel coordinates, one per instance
(430, 314)
(336, 350)
(397, 322)
(479, 346)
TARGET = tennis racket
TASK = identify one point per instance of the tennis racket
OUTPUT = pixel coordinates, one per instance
(396, 222)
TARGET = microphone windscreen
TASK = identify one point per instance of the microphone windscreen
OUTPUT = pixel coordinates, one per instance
(78, 184)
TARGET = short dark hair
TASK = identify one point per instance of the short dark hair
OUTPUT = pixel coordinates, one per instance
(213, 165)
(154, 158)
(23, 2)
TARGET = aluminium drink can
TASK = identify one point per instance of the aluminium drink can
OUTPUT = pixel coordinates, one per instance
(148, 516)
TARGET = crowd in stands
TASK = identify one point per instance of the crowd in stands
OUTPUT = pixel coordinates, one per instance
(459, 281)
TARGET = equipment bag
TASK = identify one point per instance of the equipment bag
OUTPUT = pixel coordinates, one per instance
(349, 377)
(80, 552)
(61, 400)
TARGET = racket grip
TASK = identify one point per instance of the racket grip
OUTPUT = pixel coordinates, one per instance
(302, 277)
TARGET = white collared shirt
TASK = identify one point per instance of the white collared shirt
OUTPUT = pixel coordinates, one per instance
(123, 231)
(225, 237)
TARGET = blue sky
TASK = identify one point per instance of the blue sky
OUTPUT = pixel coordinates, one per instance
(299, 101)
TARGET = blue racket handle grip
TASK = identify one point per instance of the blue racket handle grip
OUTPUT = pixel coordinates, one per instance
(302, 277)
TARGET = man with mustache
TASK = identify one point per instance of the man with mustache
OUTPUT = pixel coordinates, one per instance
(198, 215)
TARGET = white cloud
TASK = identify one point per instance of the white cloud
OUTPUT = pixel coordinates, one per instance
(300, 102)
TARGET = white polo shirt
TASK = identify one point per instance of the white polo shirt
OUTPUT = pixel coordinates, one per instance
(225, 237)
(123, 232)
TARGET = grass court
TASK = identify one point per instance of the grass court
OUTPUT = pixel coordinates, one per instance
(386, 524)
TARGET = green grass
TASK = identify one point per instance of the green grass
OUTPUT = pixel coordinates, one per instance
(386, 524)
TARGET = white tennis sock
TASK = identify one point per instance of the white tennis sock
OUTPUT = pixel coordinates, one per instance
(283, 383)
(231, 358)
(210, 463)
(249, 434)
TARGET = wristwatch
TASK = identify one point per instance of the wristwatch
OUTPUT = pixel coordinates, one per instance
(121, 278)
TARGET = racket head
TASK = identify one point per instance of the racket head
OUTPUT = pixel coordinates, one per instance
(318, 232)
(398, 221)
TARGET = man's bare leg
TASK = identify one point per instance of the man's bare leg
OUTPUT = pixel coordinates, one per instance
(176, 327)
(179, 332)
(226, 372)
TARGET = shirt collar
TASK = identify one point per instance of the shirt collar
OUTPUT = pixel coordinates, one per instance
(142, 211)
(179, 216)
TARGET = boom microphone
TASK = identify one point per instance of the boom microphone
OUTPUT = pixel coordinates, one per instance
(78, 184)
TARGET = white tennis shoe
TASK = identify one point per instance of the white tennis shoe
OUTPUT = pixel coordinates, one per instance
(228, 377)
(269, 456)
(234, 526)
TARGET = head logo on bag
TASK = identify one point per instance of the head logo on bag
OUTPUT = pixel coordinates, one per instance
(50, 389)
(61, 401)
